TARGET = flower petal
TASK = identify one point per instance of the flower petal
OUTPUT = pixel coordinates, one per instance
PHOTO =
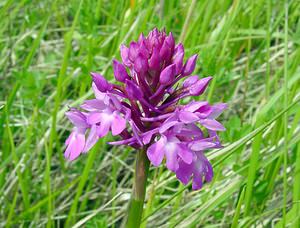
(167, 75)
(133, 51)
(140, 63)
(165, 51)
(75, 146)
(185, 153)
(101, 83)
(171, 150)
(133, 90)
(104, 128)
(147, 136)
(184, 172)
(93, 105)
(118, 124)
(155, 152)
(188, 117)
(191, 80)
(199, 87)
(217, 109)
(77, 118)
(154, 61)
(197, 181)
(98, 94)
(124, 55)
(201, 145)
(94, 117)
(120, 71)
(195, 105)
(91, 139)
(167, 125)
(208, 171)
(212, 125)
(136, 132)
(190, 65)
(178, 58)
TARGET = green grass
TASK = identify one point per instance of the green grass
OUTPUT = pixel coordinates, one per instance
(251, 48)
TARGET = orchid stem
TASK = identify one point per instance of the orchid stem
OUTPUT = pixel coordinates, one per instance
(139, 189)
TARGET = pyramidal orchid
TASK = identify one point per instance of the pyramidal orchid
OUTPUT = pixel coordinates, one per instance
(145, 110)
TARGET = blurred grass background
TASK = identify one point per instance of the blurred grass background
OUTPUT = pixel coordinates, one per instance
(48, 48)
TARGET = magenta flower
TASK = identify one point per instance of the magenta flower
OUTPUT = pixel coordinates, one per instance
(144, 109)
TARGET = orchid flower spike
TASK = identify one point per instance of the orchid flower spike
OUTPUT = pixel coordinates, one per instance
(144, 109)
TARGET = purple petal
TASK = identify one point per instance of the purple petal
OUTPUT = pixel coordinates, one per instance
(184, 172)
(141, 38)
(154, 62)
(185, 153)
(93, 105)
(124, 55)
(104, 128)
(198, 88)
(92, 138)
(167, 125)
(98, 94)
(155, 152)
(217, 109)
(118, 124)
(209, 172)
(189, 66)
(135, 132)
(75, 145)
(194, 129)
(77, 118)
(204, 111)
(201, 145)
(140, 64)
(190, 81)
(165, 51)
(187, 117)
(178, 58)
(94, 117)
(147, 136)
(120, 71)
(67, 142)
(116, 101)
(197, 181)
(133, 90)
(101, 83)
(171, 150)
(123, 142)
(143, 49)
(170, 41)
(195, 105)
(167, 75)
(133, 51)
(212, 125)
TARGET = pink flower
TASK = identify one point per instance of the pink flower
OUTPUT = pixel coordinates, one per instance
(143, 109)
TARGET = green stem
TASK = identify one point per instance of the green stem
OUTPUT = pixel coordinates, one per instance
(139, 189)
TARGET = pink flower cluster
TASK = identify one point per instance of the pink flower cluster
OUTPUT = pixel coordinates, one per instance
(144, 109)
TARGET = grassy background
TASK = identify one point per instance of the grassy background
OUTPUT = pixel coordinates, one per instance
(250, 47)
